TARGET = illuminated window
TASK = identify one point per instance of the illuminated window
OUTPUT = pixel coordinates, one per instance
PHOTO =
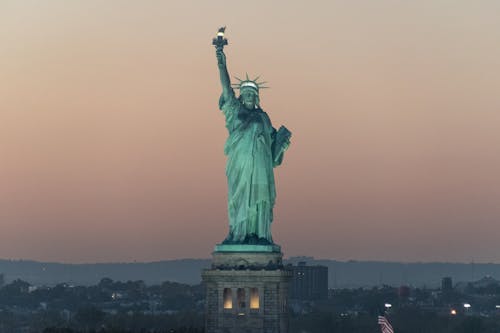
(228, 298)
(254, 298)
(241, 298)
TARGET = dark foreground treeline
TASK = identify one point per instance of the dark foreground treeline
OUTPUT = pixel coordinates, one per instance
(97, 322)
(110, 306)
(133, 307)
(406, 321)
(117, 330)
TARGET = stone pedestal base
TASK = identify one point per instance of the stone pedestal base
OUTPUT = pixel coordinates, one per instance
(247, 292)
(247, 260)
(246, 301)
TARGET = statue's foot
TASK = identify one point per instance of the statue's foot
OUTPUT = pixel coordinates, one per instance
(253, 239)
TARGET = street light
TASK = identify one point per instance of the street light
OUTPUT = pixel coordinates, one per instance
(467, 305)
(388, 305)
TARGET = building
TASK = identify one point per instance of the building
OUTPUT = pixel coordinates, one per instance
(308, 282)
(446, 284)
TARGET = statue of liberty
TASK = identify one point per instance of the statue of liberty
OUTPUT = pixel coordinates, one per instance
(253, 149)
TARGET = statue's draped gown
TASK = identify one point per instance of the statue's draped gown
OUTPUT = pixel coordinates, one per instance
(249, 171)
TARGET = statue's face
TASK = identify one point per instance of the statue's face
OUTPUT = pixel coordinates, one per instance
(249, 99)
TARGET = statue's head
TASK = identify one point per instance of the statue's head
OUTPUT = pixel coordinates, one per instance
(249, 98)
(249, 92)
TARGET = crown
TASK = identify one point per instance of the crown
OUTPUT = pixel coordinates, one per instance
(249, 84)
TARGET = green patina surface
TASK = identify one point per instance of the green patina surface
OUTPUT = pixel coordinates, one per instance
(253, 149)
(247, 248)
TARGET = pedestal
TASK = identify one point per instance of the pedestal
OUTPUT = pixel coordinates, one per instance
(247, 291)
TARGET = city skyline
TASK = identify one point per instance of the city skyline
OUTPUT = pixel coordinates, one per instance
(111, 140)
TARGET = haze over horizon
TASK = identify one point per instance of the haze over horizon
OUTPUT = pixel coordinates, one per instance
(297, 258)
(111, 141)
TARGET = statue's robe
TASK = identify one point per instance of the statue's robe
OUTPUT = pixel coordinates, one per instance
(249, 171)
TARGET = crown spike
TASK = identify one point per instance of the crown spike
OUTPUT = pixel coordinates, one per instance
(249, 83)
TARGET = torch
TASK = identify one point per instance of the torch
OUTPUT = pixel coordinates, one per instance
(220, 41)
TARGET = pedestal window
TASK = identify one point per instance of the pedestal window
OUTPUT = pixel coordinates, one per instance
(228, 298)
(254, 298)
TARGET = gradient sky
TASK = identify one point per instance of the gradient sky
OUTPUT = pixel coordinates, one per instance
(111, 141)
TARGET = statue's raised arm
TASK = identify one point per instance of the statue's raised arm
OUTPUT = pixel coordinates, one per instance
(219, 41)
(224, 75)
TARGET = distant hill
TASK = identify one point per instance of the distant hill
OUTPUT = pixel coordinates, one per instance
(45, 273)
(342, 274)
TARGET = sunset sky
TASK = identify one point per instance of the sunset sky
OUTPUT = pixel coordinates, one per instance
(111, 141)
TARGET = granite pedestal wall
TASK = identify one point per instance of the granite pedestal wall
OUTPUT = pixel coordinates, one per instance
(247, 291)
